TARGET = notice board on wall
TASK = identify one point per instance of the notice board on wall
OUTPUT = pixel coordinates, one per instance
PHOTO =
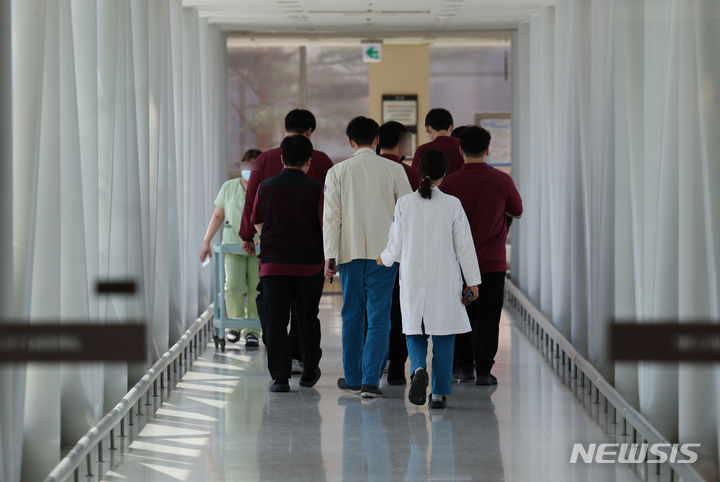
(499, 124)
(402, 108)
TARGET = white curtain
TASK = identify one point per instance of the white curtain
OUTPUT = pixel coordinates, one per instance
(616, 113)
(12, 377)
(118, 140)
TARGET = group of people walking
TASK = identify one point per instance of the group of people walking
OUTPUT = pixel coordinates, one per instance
(419, 249)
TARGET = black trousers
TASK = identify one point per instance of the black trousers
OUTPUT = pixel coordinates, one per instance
(480, 346)
(294, 332)
(398, 353)
(280, 293)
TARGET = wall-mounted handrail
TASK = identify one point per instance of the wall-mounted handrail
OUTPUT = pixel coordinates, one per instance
(527, 314)
(69, 465)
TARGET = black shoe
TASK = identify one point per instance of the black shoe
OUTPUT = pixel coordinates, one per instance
(464, 375)
(369, 391)
(438, 403)
(396, 380)
(251, 340)
(486, 379)
(311, 383)
(418, 386)
(342, 385)
(280, 387)
(233, 336)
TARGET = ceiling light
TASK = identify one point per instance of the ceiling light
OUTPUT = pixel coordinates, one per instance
(370, 12)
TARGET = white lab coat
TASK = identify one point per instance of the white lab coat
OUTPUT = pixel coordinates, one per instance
(432, 241)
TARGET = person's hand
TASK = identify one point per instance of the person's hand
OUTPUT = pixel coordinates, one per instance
(380, 261)
(248, 247)
(330, 268)
(470, 290)
(205, 251)
(475, 292)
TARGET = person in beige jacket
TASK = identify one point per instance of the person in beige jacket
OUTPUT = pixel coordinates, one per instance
(360, 196)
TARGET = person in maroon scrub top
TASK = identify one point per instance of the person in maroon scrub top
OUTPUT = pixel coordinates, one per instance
(457, 132)
(288, 215)
(439, 124)
(393, 139)
(488, 195)
(269, 164)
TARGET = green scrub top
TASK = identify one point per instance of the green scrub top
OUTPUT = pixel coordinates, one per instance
(232, 199)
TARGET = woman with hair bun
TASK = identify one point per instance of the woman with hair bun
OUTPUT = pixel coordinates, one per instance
(431, 239)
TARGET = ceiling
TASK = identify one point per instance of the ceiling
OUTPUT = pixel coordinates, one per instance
(365, 19)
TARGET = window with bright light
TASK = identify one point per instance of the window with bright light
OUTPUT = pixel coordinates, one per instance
(262, 88)
(337, 90)
(470, 80)
(264, 84)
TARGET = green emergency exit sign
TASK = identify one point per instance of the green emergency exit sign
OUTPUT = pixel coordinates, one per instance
(372, 51)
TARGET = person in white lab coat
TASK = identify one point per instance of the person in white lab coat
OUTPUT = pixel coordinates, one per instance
(431, 239)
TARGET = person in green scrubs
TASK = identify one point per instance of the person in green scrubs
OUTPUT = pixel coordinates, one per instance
(241, 270)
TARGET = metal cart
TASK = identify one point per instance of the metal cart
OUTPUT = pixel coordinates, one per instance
(220, 318)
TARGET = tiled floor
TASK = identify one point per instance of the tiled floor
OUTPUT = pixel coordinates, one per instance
(222, 424)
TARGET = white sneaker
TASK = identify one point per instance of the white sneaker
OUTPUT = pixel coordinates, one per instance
(233, 336)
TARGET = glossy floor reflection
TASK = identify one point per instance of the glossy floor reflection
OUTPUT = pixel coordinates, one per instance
(222, 424)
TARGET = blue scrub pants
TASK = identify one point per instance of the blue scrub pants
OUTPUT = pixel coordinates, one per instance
(442, 361)
(367, 288)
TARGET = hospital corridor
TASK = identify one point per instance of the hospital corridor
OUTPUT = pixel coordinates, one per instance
(359, 240)
(220, 423)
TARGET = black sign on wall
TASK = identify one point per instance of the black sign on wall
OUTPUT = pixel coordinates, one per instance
(68, 341)
(21, 342)
(671, 342)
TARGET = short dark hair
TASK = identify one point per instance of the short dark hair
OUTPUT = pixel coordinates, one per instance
(297, 121)
(390, 134)
(296, 150)
(475, 141)
(457, 132)
(433, 166)
(250, 155)
(439, 119)
(362, 130)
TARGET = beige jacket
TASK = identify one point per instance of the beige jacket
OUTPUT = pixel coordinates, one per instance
(360, 196)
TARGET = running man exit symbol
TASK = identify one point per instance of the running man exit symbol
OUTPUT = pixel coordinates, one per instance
(372, 52)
